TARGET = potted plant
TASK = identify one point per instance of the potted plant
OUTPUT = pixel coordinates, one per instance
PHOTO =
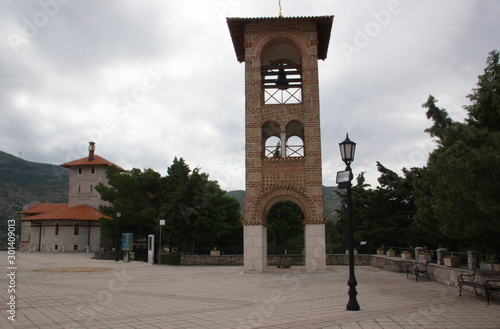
(381, 250)
(405, 254)
(490, 263)
(425, 255)
(215, 252)
(391, 253)
(451, 260)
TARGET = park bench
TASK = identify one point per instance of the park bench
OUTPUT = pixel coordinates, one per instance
(418, 267)
(489, 286)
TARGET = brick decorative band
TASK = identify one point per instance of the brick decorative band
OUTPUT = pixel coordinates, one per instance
(283, 192)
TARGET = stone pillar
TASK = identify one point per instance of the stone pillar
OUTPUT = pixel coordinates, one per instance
(440, 255)
(255, 248)
(472, 260)
(315, 247)
(418, 250)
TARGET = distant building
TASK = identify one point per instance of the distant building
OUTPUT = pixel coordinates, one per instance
(72, 226)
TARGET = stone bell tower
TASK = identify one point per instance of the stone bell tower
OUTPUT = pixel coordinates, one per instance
(282, 127)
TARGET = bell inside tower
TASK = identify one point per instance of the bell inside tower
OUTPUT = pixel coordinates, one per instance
(281, 73)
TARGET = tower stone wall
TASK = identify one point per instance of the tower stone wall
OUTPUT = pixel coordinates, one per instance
(262, 43)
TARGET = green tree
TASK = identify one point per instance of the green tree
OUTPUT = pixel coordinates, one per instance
(285, 229)
(459, 196)
(196, 210)
(135, 194)
(381, 216)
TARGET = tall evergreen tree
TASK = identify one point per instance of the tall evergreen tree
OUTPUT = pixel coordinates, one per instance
(196, 211)
(135, 194)
(463, 172)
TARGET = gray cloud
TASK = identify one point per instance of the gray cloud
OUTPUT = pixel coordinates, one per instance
(151, 80)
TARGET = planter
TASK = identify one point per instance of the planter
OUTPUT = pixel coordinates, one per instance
(215, 253)
(283, 266)
(496, 267)
(425, 257)
(391, 253)
(381, 252)
(451, 262)
(484, 266)
(405, 256)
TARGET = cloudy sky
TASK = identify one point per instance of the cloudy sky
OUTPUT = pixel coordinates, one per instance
(150, 80)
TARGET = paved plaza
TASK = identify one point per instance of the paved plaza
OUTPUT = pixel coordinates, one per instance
(135, 295)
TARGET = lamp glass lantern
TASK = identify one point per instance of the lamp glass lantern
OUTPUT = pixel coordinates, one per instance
(347, 150)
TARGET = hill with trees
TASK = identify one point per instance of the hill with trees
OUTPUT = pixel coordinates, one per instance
(22, 182)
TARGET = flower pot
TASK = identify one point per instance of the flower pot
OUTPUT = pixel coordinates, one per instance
(425, 257)
(391, 253)
(215, 253)
(451, 262)
(381, 252)
(405, 256)
(485, 266)
(496, 267)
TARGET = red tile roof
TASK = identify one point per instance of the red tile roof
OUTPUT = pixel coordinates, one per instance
(97, 161)
(237, 30)
(81, 212)
(43, 208)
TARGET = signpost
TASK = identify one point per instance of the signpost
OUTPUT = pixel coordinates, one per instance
(151, 249)
(162, 223)
(127, 245)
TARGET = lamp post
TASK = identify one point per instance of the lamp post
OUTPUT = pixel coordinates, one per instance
(347, 149)
(118, 215)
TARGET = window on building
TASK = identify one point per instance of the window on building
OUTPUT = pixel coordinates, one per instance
(80, 170)
(56, 231)
(271, 140)
(92, 170)
(91, 188)
(75, 247)
(76, 229)
(79, 189)
(56, 247)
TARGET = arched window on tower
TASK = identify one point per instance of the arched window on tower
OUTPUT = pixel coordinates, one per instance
(271, 141)
(294, 147)
(295, 139)
(281, 73)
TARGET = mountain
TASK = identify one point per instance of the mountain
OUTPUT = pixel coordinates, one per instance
(22, 182)
(331, 201)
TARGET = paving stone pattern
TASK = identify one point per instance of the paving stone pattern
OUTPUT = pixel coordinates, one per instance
(135, 295)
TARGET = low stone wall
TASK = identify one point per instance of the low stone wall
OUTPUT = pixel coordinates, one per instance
(205, 260)
(292, 260)
(393, 264)
(340, 259)
(108, 255)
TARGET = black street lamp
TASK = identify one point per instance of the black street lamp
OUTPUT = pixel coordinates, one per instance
(118, 215)
(347, 149)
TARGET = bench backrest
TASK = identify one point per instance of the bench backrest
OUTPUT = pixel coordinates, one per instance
(422, 265)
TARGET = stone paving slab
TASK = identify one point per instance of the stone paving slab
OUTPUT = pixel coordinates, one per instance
(136, 295)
